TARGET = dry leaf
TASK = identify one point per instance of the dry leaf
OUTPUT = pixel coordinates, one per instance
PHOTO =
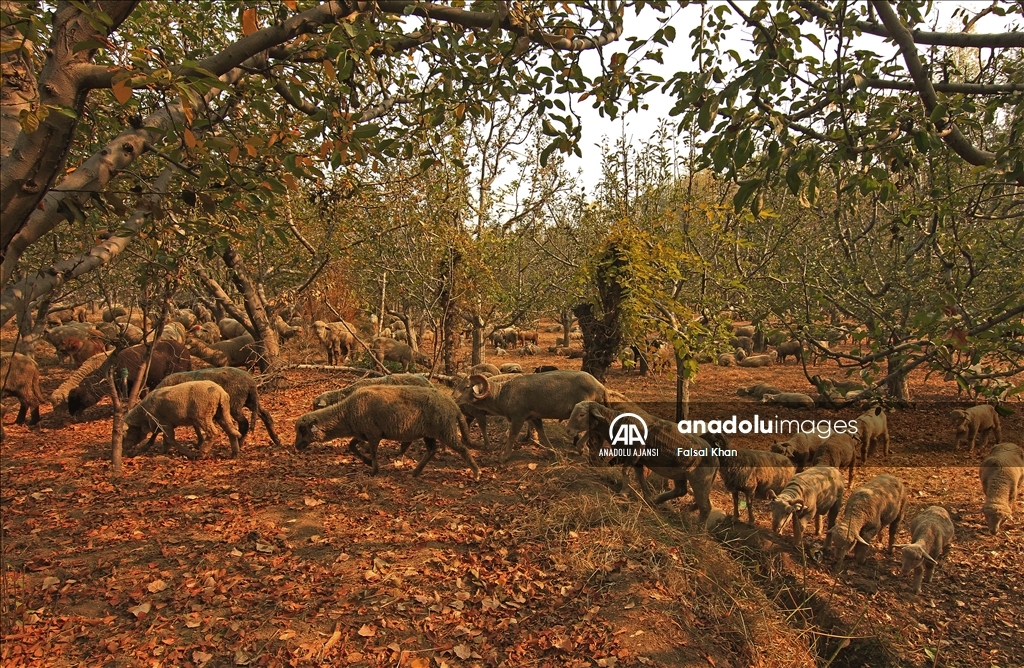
(367, 631)
(262, 547)
(50, 581)
(140, 610)
(122, 91)
(190, 139)
(156, 586)
(532, 466)
(463, 651)
(249, 22)
(287, 635)
(336, 636)
(241, 658)
(201, 657)
(419, 662)
(311, 502)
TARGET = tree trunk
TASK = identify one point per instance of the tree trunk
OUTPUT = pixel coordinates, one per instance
(264, 334)
(409, 334)
(641, 360)
(566, 319)
(897, 386)
(476, 324)
(383, 299)
(600, 341)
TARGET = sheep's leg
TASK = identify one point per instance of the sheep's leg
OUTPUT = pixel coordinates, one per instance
(997, 427)
(539, 424)
(515, 426)
(353, 446)
(170, 441)
(243, 426)
(645, 486)
(750, 507)
(405, 446)
(736, 505)
(918, 576)
(482, 421)
(972, 437)
(929, 571)
(374, 467)
(894, 528)
(148, 444)
(463, 452)
(678, 489)
(33, 416)
(232, 439)
(431, 451)
(798, 531)
(268, 422)
(22, 412)
(702, 496)
(817, 525)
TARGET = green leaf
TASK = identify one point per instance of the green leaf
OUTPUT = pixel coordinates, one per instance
(746, 189)
(366, 130)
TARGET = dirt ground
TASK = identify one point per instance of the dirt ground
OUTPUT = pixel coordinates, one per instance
(284, 558)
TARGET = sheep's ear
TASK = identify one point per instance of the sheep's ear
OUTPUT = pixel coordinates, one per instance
(315, 431)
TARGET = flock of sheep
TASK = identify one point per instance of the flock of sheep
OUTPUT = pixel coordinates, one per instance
(800, 477)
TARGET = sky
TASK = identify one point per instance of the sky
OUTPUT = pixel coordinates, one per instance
(678, 57)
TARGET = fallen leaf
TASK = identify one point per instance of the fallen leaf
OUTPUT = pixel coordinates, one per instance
(336, 636)
(287, 635)
(50, 581)
(235, 552)
(311, 502)
(532, 466)
(140, 610)
(261, 547)
(201, 657)
(419, 662)
(367, 631)
(565, 644)
(241, 658)
(156, 586)
(463, 651)
(607, 662)
(191, 497)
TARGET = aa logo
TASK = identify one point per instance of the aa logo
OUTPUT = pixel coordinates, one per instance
(628, 432)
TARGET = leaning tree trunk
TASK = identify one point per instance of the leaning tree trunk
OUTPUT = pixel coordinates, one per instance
(264, 334)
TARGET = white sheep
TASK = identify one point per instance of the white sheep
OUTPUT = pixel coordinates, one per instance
(788, 399)
(872, 426)
(197, 403)
(878, 504)
(1002, 477)
(981, 419)
(932, 533)
(814, 492)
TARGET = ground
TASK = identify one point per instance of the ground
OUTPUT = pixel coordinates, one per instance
(285, 558)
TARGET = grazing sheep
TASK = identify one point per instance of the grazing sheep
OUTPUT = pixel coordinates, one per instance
(981, 419)
(334, 396)
(872, 426)
(206, 332)
(400, 413)
(527, 336)
(510, 367)
(745, 330)
(20, 377)
(505, 338)
(793, 349)
(757, 361)
(241, 389)
(69, 338)
(757, 391)
(336, 339)
(800, 449)
(814, 492)
(484, 367)
(198, 403)
(168, 357)
(534, 397)
(390, 350)
(788, 399)
(838, 450)
(744, 343)
(60, 395)
(1002, 477)
(239, 351)
(878, 504)
(664, 452)
(230, 328)
(931, 534)
(755, 473)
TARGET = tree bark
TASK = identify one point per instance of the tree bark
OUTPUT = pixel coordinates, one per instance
(566, 320)
(263, 332)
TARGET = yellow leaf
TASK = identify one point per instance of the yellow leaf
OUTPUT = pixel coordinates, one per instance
(249, 22)
(250, 149)
(460, 110)
(233, 154)
(329, 69)
(367, 631)
(190, 139)
(122, 91)
(290, 4)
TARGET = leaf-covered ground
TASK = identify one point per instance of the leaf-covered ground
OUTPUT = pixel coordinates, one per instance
(283, 558)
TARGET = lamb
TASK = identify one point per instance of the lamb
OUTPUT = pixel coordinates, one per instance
(198, 403)
(334, 396)
(168, 357)
(981, 419)
(793, 349)
(484, 367)
(664, 439)
(241, 389)
(20, 377)
(788, 399)
(757, 361)
(390, 350)
(510, 367)
(534, 397)
(932, 533)
(336, 339)
(744, 343)
(1002, 477)
(230, 328)
(839, 451)
(757, 391)
(800, 449)
(755, 473)
(878, 504)
(401, 413)
(814, 492)
(60, 395)
(872, 426)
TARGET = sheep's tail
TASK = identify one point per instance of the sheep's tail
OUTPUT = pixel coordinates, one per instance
(223, 416)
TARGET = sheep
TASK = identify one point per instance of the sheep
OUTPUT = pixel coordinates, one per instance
(755, 473)
(544, 368)
(241, 389)
(500, 352)
(1002, 477)
(206, 332)
(662, 357)
(484, 367)
(400, 413)
(878, 504)
(527, 336)
(174, 331)
(931, 535)
(168, 357)
(334, 396)
(510, 367)
(82, 349)
(790, 348)
(670, 459)
(20, 377)
(69, 338)
(838, 450)
(757, 361)
(198, 403)
(981, 419)
(110, 314)
(788, 399)
(230, 328)
(813, 492)
(239, 351)
(727, 359)
(122, 333)
(60, 395)
(529, 349)
(505, 337)
(208, 354)
(745, 331)
(744, 343)
(390, 350)
(284, 330)
(185, 318)
(202, 314)
(872, 426)
(533, 397)
(336, 338)
(757, 391)
(63, 316)
(800, 449)
(828, 387)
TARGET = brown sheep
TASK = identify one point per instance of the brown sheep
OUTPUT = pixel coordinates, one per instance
(20, 377)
